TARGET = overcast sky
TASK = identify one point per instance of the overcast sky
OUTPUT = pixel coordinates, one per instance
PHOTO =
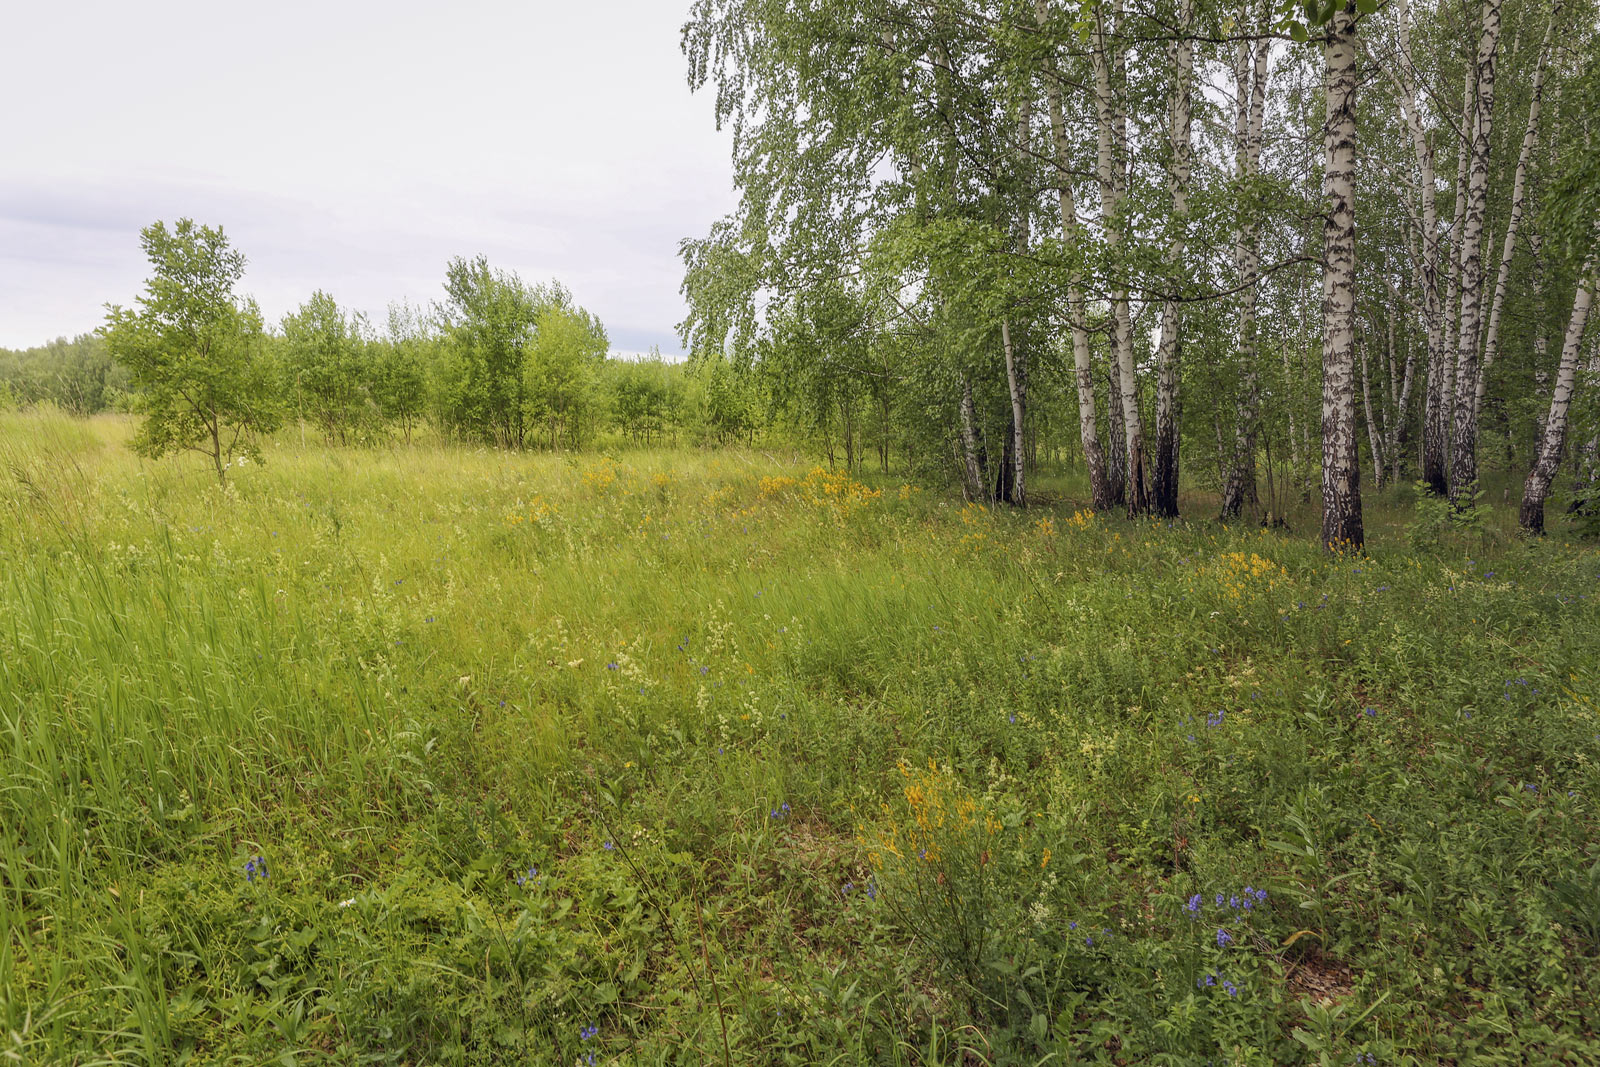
(353, 147)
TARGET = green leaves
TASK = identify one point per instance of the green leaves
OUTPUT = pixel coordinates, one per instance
(1300, 17)
(196, 349)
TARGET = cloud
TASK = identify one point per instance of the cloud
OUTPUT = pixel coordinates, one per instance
(356, 148)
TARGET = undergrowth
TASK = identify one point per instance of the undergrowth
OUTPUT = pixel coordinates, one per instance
(456, 757)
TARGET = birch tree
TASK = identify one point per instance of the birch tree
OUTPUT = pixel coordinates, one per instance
(1168, 371)
(1111, 171)
(1464, 443)
(1250, 94)
(1553, 440)
(1341, 468)
(1072, 241)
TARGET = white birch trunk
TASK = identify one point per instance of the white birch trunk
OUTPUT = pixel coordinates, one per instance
(1519, 186)
(1250, 80)
(1180, 109)
(1464, 442)
(1429, 280)
(1537, 488)
(1111, 171)
(1341, 468)
(1071, 234)
(1373, 431)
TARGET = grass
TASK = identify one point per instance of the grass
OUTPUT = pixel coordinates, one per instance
(449, 756)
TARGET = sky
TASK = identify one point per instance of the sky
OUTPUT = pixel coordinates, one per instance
(354, 147)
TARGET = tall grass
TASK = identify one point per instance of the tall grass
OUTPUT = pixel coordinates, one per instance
(534, 744)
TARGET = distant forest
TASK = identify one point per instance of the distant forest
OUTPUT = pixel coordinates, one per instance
(497, 361)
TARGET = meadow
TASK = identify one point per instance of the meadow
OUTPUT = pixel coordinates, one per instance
(434, 755)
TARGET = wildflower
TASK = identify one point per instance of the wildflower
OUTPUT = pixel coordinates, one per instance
(588, 1033)
(1233, 901)
(347, 903)
(1370, 712)
(1220, 899)
(531, 878)
(612, 666)
(610, 846)
(1208, 980)
(1224, 939)
(1231, 989)
(1261, 894)
(1044, 860)
(1193, 907)
(255, 868)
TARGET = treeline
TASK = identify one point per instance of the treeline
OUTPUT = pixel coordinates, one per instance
(497, 361)
(77, 376)
(1274, 249)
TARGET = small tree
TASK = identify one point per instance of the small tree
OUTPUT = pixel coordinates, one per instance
(195, 349)
(399, 370)
(327, 353)
(562, 366)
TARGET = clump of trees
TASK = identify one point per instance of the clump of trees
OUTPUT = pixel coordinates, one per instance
(78, 376)
(496, 361)
(1247, 242)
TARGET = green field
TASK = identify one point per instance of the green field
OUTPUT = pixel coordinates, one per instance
(446, 756)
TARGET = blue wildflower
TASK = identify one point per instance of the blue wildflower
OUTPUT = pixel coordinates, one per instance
(1193, 907)
(610, 846)
(588, 1033)
(1224, 939)
(1232, 989)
